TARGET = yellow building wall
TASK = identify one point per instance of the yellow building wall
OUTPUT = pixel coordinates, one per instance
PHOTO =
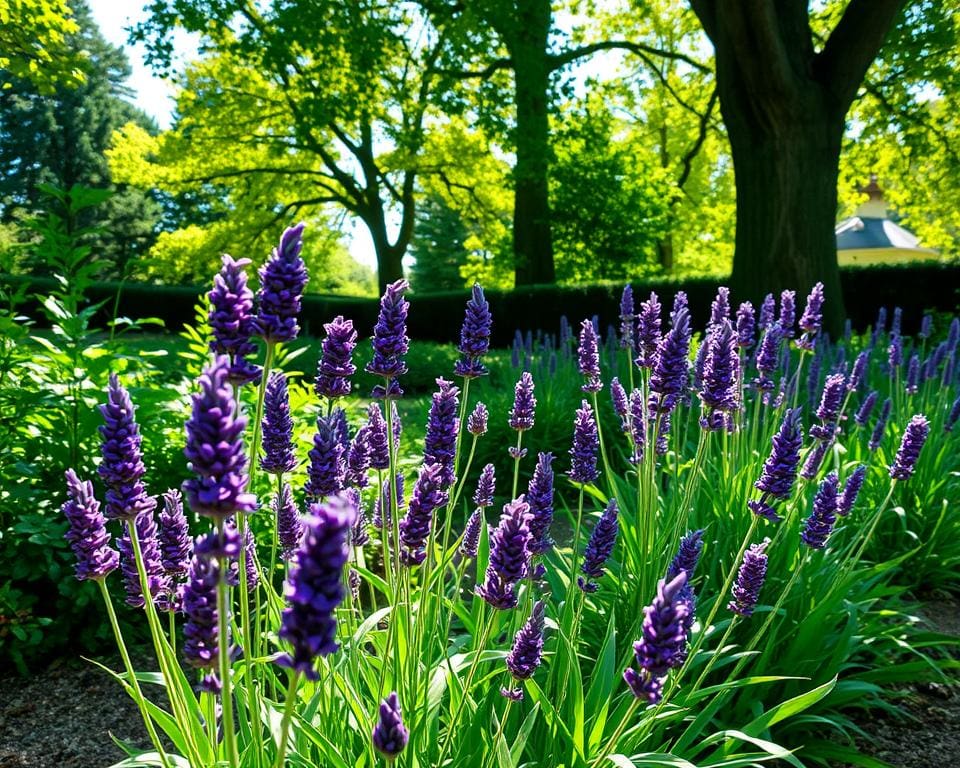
(859, 257)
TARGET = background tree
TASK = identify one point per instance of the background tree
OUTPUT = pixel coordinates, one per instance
(33, 43)
(58, 138)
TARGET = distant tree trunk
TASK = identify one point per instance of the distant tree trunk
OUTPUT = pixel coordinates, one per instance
(532, 239)
(784, 105)
(389, 255)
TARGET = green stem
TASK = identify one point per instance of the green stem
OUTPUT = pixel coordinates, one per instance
(223, 628)
(290, 701)
(134, 683)
(503, 725)
(621, 727)
(516, 465)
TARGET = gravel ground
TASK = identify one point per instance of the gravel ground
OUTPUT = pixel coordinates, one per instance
(65, 716)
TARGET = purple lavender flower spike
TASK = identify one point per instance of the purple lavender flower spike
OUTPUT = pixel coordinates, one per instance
(767, 357)
(474, 336)
(443, 425)
(122, 468)
(603, 538)
(390, 341)
(829, 409)
(720, 307)
(914, 436)
(637, 425)
(680, 302)
(314, 586)
(621, 406)
(700, 361)
(358, 460)
(527, 652)
(377, 442)
(862, 415)
(687, 557)
(359, 534)
(767, 311)
(895, 353)
(952, 416)
(524, 404)
(811, 467)
(477, 420)
(214, 449)
(289, 525)
(586, 442)
(250, 561)
(201, 636)
(588, 358)
(428, 495)
(780, 469)
(859, 371)
(648, 332)
(486, 487)
(851, 490)
(953, 336)
(383, 506)
(278, 456)
(718, 392)
(812, 318)
(390, 736)
(175, 544)
(540, 498)
(746, 325)
(87, 534)
(509, 553)
(897, 321)
(326, 471)
(283, 278)
(663, 435)
(820, 524)
(157, 582)
(913, 375)
(335, 366)
(663, 645)
(926, 327)
(628, 318)
(470, 540)
(788, 313)
(880, 427)
(669, 376)
(231, 320)
(750, 578)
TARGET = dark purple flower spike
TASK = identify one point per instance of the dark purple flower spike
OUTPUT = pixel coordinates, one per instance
(335, 366)
(601, 544)
(87, 534)
(390, 735)
(283, 278)
(474, 336)
(231, 320)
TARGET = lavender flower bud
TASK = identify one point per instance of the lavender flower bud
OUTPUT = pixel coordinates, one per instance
(335, 366)
(289, 524)
(767, 311)
(586, 442)
(718, 392)
(601, 544)
(282, 280)
(896, 322)
(87, 534)
(637, 425)
(913, 375)
(881, 426)
(359, 534)
(926, 327)
(509, 545)
(621, 407)
(428, 495)
(383, 506)
(851, 490)
(443, 425)
(750, 578)
(389, 734)
(811, 467)
(477, 420)
(377, 443)
(540, 498)
(720, 307)
(859, 371)
(483, 496)
(866, 408)
(358, 460)
(214, 449)
(780, 468)
(231, 321)
(895, 353)
(524, 404)
(648, 332)
(952, 416)
(788, 313)
(122, 467)
(277, 430)
(471, 534)
(914, 436)
(314, 585)
(327, 468)
(628, 318)
(669, 377)
(767, 356)
(527, 651)
(157, 582)
(588, 358)
(812, 318)
(823, 517)
(680, 303)
(390, 341)
(474, 335)
(829, 409)
(201, 636)
(175, 543)
(687, 557)
(746, 325)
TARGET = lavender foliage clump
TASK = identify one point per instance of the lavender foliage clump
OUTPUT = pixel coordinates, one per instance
(599, 547)
(335, 366)
(87, 531)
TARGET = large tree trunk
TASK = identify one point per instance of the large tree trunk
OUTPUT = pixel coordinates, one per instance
(786, 176)
(532, 241)
(389, 255)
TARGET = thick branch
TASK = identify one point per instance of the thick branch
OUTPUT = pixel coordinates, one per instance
(758, 46)
(690, 154)
(480, 74)
(852, 46)
(640, 49)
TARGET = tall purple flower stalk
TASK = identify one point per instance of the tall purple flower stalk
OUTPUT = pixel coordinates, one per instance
(914, 436)
(377, 443)
(851, 490)
(648, 332)
(669, 377)
(201, 636)
(820, 524)
(664, 640)
(524, 404)
(175, 543)
(812, 318)
(509, 554)
(603, 538)
(527, 652)
(231, 319)
(428, 495)
(859, 371)
(768, 308)
(767, 357)
(443, 426)
(122, 468)
(638, 416)
(880, 428)
(718, 391)
(720, 307)
(474, 336)
(87, 531)
(862, 415)
(157, 582)
(289, 524)
(750, 578)
(283, 278)
(277, 428)
(586, 442)
(588, 358)
(628, 319)
(788, 313)
(952, 416)
(214, 448)
(326, 470)
(540, 498)
(335, 366)
(477, 420)
(780, 468)
(829, 409)
(746, 325)
(390, 341)
(390, 735)
(314, 586)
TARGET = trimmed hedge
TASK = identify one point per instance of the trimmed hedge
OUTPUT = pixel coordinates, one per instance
(437, 316)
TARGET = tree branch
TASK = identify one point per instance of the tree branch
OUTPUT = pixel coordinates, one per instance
(640, 49)
(852, 46)
(690, 154)
(481, 74)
